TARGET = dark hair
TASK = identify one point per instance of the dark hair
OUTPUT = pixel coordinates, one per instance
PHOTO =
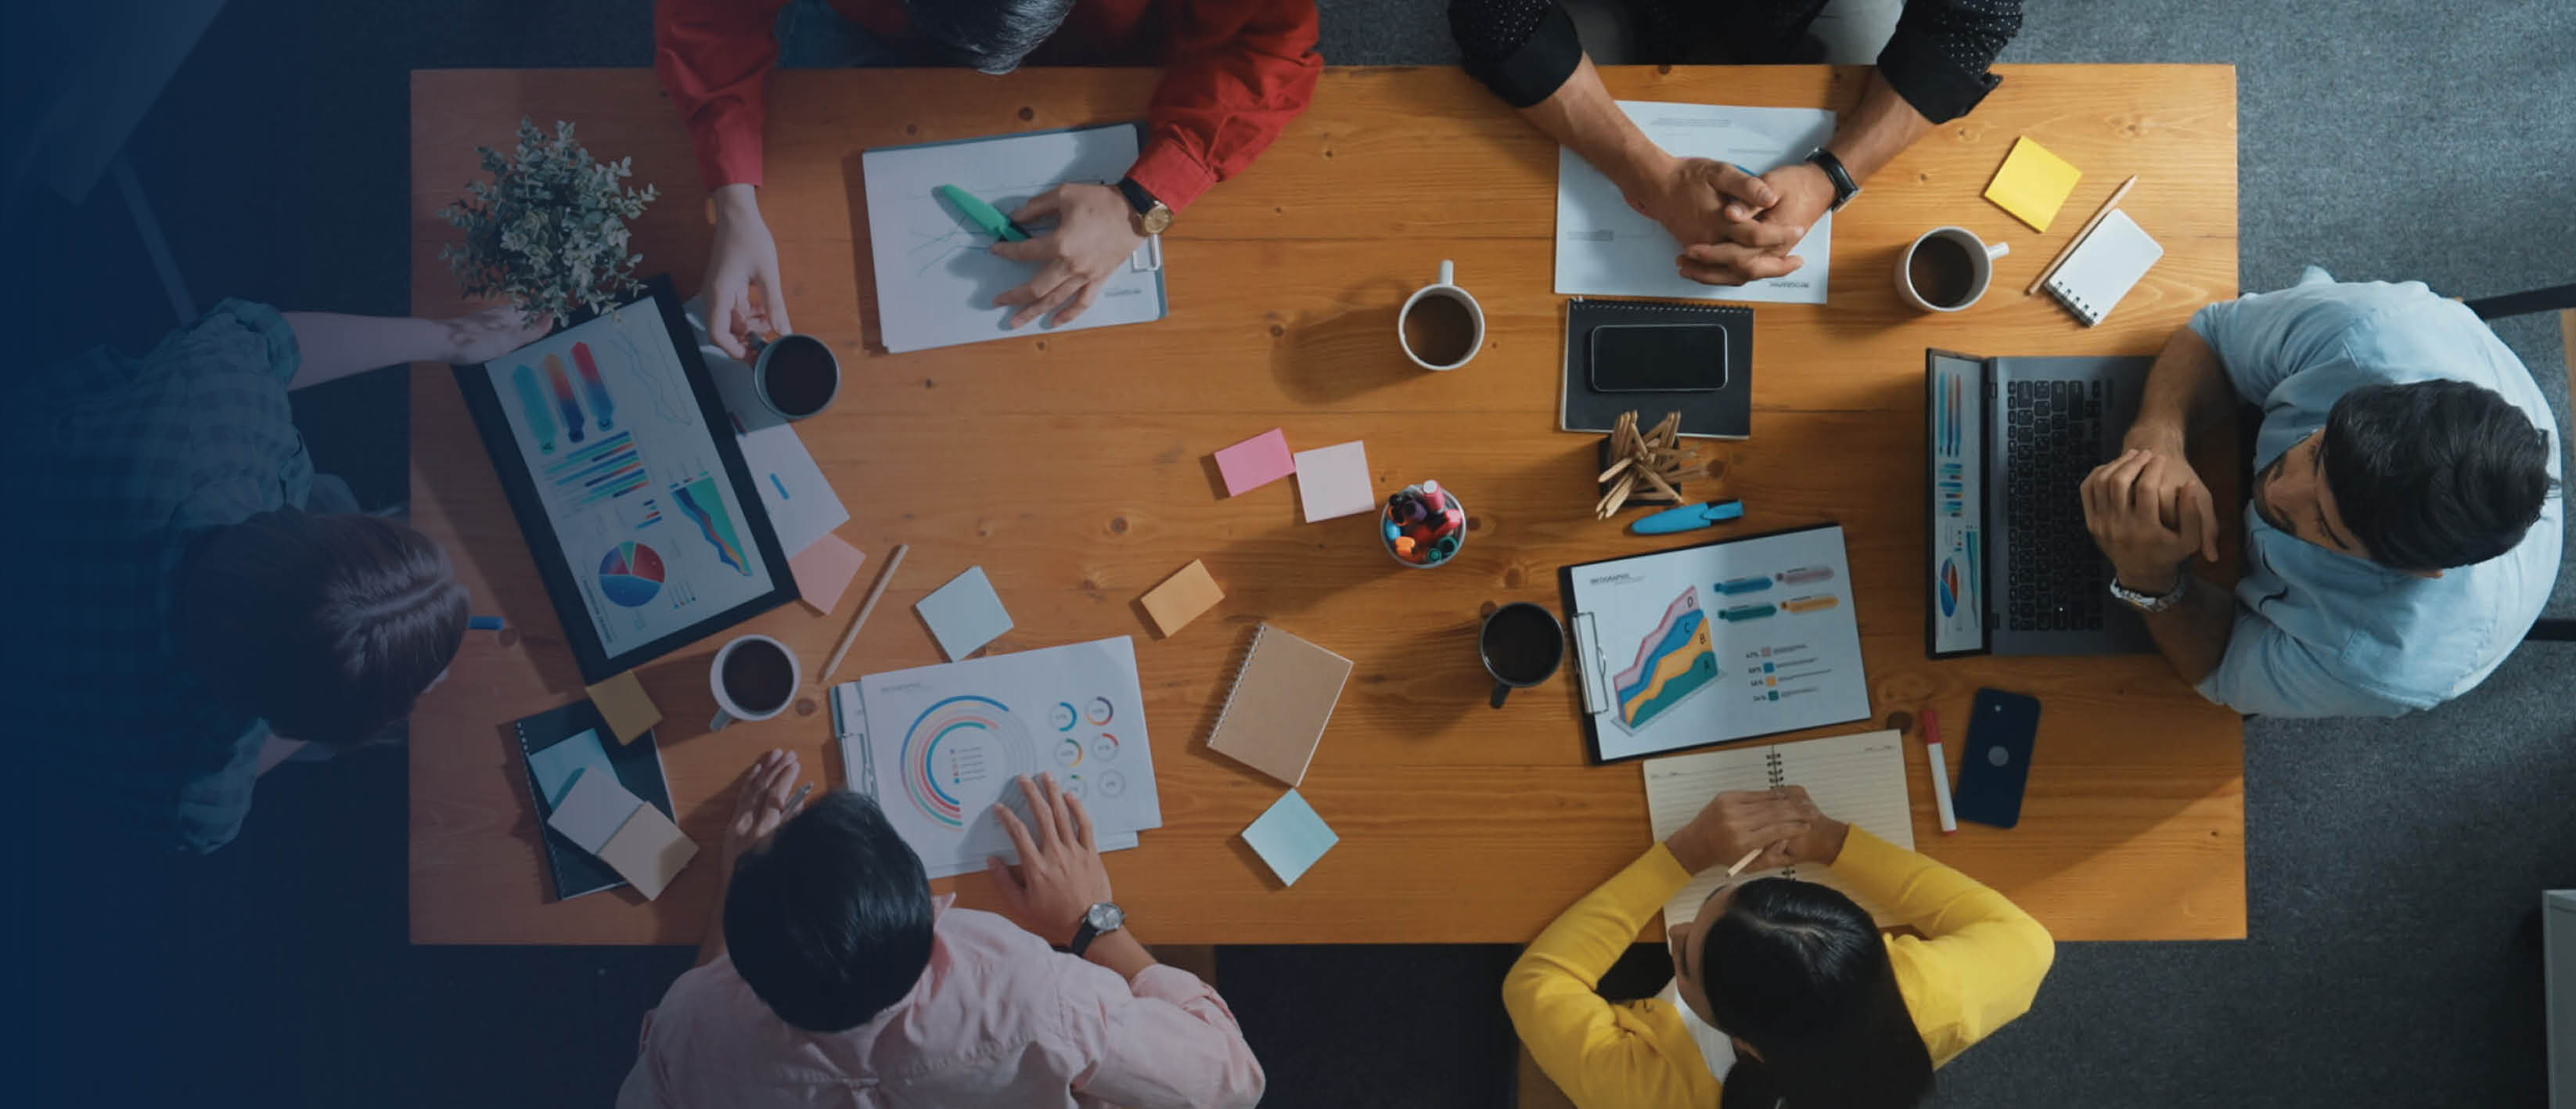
(1799, 972)
(327, 626)
(829, 921)
(2434, 474)
(990, 36)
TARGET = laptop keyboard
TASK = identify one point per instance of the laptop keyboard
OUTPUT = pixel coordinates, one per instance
(2056, 579)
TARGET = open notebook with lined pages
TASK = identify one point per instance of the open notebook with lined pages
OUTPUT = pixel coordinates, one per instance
(1858, 779)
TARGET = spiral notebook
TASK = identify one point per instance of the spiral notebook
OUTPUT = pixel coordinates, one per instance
(1858, 779)
(1723, 413)
(2104, 267)
(1281, 701)
(637, 765)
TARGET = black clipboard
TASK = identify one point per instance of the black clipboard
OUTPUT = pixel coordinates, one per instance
(571, 610)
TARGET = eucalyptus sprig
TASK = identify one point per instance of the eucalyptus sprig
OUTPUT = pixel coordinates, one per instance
(549, 230)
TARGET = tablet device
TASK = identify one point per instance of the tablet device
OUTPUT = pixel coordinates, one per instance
(1659, 357)
(628, 484)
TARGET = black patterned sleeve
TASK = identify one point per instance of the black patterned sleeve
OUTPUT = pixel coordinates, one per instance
(1938, 57)
(1521, 49)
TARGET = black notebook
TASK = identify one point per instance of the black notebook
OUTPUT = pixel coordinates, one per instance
(638, 766)
(1725, 412)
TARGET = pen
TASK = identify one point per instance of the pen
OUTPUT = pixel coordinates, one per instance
(1940, 771)
(798, 797)
(485, 623)
(1746, 861)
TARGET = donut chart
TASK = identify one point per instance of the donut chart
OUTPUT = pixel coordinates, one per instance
(630, 575)
(959, 753)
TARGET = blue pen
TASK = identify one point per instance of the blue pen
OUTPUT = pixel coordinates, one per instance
(1689, 517)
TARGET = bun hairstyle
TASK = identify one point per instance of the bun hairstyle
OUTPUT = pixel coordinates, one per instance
(1797, 971)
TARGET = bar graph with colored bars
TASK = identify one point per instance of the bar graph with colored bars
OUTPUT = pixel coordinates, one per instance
(602, 471)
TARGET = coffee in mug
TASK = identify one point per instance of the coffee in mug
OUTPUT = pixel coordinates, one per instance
(1440, 326)
(1521, 645)
(754, 677)
(1947, 269)
(795, 375)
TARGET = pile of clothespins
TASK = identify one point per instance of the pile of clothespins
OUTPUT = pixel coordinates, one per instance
(1648, 467)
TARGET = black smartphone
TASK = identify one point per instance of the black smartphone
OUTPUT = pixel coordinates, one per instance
(1659, 358)
(1996, 764)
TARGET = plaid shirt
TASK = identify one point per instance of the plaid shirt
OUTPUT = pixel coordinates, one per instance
(127, 462)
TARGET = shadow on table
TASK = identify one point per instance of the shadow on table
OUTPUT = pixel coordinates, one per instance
(1331, 355)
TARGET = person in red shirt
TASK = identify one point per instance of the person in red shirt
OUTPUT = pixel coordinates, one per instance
(1234, 73)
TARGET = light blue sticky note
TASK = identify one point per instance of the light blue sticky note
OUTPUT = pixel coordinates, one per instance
(554, 767)
(1290, 837)
(964, 614)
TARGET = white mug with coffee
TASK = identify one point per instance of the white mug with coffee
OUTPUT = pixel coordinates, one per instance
(1947, 269)
(754, 678)
(1441, 326)
(794, 376)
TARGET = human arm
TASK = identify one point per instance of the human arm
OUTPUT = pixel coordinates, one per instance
(2127, 517)
(714, 57)
(1982, 956)
(759, 807)
(2268, 671)
(332, 346)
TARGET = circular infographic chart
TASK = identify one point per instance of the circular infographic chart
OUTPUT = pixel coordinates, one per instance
(630, 575)
(960, 753)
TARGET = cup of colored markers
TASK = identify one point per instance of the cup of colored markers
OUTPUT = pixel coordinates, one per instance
(1422, 525)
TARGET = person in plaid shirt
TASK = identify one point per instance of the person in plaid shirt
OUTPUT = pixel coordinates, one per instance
(208, 605)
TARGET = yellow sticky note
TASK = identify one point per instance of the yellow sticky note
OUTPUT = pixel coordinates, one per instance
(1182, 597)
(2033, 183)
(622, 703)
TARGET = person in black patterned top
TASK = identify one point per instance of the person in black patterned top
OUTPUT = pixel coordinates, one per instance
(1735, 227)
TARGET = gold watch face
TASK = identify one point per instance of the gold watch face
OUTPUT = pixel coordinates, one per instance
(1155, 219)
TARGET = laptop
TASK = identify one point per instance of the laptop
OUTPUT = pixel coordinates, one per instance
(2013, 570)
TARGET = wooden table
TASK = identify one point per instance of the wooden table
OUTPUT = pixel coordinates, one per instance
(1075, 469)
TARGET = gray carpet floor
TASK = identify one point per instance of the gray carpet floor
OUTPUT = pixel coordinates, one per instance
(2392, 865)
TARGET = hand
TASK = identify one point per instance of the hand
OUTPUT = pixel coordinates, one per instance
(1754, 240)
(743, 255)
(1689, 197)
(491, 333)
(1823, 841)
(2174, 484)
(761, 805)
(1734, 824)
(1060, 875)
(2122, 510)
(1094, 235)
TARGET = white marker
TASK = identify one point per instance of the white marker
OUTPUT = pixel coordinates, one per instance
(1940, 771)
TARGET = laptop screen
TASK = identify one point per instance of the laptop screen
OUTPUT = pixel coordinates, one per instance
(1957, 489)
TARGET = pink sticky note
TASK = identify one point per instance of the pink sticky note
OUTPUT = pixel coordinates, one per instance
(824, 571)
(1255, 462)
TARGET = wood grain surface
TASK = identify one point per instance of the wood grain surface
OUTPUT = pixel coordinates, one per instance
(1075, 469)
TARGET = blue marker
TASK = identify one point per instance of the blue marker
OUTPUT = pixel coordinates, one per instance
(1689, 517)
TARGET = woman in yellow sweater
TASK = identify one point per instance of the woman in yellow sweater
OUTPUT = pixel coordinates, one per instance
(1818, 1009)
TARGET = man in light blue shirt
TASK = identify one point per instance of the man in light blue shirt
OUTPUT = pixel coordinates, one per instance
(2404, 527)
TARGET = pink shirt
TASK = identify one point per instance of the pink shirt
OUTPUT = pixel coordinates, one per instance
(998, 1019)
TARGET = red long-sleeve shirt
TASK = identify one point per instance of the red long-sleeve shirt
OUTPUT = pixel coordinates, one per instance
(1234, 73)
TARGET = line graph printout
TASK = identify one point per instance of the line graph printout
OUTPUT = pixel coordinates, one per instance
(1606, 248)
(935, 270)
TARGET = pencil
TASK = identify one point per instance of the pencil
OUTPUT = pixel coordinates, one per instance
(2078, 240)
(884, 577)
(1746, 861)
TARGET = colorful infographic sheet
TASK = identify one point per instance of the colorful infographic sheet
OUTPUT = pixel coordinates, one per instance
(938, 745)
(1718, 642)
(629, 477)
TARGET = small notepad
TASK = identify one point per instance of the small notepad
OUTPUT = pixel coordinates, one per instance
(964, 614)
(1334, 481)
(1281, 701)
(1290, 837)
(2104, 267)
(1181, 598)
(2032, 183)
(1255, 462)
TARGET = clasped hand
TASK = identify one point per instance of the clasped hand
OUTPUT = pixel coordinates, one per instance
(2149, 512)
(1783, 824)
(1092, 240)
(1734, 227)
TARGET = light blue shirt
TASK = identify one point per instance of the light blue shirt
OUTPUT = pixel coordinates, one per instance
(2320, 633)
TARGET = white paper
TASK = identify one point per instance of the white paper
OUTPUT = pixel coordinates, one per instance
(802, 506)
(1605, 248)
(593, 809)
(1334, 481)
(1781, 649)
(1857, 779)
(938, 745)
(936, 274)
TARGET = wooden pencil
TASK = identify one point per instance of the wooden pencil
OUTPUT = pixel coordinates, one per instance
(884, 577)
(2078, 240)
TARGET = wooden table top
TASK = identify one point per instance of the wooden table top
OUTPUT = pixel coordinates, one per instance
(1075, 469)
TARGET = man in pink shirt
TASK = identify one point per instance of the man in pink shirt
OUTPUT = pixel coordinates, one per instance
(831, 977)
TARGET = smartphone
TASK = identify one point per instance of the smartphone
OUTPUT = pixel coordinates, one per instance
(1996, 764)
(1659, 358)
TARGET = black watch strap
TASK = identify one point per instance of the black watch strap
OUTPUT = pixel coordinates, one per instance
(1082, 938)
(1844, 187)
(1137, 198)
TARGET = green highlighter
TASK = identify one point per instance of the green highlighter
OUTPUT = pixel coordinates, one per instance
(984, 216)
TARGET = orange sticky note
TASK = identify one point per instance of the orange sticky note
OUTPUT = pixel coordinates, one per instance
(622, 703)
(1182, 597)
(824, 571)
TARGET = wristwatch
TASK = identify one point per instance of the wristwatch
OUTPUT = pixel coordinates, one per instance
(2149, 602)
(1152, 216)
(1844, 187)
(1097, 921)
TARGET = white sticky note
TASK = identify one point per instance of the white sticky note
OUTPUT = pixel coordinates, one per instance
(554, 767)
(1290, 837)
(964, 614)
(593, 809)
(649, 851)
(1334, 481)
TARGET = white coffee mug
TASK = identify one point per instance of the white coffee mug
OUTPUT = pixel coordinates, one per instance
(1445, 287)
(1981, 267)
(727, 711)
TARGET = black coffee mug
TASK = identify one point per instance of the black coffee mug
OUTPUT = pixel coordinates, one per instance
(1521, 645)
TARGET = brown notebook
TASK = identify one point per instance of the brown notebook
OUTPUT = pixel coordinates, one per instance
(1282, 698)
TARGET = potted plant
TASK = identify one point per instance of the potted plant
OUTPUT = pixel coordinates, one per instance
(549, 231)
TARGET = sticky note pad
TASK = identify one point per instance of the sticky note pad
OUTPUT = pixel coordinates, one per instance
(2032, 184)
(1334, 481)
(1255, 462)
(1182, 597)
(593, 809)
(824, 571)
(1290, 837)
(622, 703)
(554, 766)
(648, 851)
(964, 614)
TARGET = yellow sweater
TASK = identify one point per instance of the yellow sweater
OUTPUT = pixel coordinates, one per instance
(1978, 966)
